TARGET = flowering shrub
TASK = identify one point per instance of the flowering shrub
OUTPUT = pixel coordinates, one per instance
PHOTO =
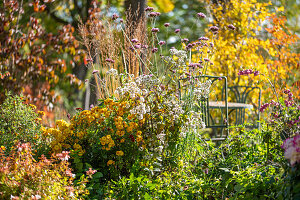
(107, 137)
(22, 177)
(284, 115)
(19, 122)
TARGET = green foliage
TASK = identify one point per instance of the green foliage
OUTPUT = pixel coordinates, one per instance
(168, 185)
(19, 122)
(243, 167)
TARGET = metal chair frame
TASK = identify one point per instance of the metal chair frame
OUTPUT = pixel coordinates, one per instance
(241, 97)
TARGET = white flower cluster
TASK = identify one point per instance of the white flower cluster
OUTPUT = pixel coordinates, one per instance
(180, 54)
(202, 89)
(175, 109)
(131, 88)
(194, 122)
(145, 80)
(141, 109)
(112, 72)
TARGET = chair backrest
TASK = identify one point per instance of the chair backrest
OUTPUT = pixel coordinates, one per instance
(241, 94)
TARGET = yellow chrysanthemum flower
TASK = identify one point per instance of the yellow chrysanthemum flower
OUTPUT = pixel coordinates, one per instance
(120, 153)
(110, 162)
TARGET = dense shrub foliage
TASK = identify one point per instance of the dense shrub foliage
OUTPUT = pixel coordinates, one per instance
(20, 122)
(22, 177)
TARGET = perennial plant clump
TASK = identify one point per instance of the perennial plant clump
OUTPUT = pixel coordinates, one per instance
(22, 177)
(20, 122)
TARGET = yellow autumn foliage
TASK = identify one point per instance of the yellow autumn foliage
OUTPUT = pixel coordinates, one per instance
(245, 48)
(162, 5)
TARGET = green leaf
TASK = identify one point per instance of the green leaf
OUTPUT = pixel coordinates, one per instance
(79, 166)
(225, 169)
(77, 159)
(147, 196)
(238, 188)
(98, 175)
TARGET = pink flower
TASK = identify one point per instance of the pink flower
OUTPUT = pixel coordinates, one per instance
(230, 26)
(134, 40)
(214, 28)
(201, 15)
(95, 72)
(155, 30)
(64, 156)
(177, 30)
(185, 40)
(161, 43)
(263, 107)
(203, 38)
(167, 24)
(90, 171)
(154, 14)
(149, 8)
(154, 50)
(109, 60)
(115, 16)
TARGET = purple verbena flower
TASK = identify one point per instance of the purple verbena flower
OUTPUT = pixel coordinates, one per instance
(201, 15)
(256, 73)
(263, 107)
(185, 40)
(154, 50)
(137, 46)
(149, 8)
(134, 40)
(286, 91)
(155, 30)
(213, 28)
(203, 38)
(167, 24)
(95, 72)
(161, 43)
(189, 46)
(115, 16)
(109, 60)
(154, 14)
(230, 26)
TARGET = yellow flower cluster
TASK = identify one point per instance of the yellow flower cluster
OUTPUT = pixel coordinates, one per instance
(120, 153)
(132, 126)
(110, 162)
(107, 140)
(110, 126)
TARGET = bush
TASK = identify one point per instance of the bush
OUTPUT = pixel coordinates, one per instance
(19, 122)
(22, 177)
(246, 165)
